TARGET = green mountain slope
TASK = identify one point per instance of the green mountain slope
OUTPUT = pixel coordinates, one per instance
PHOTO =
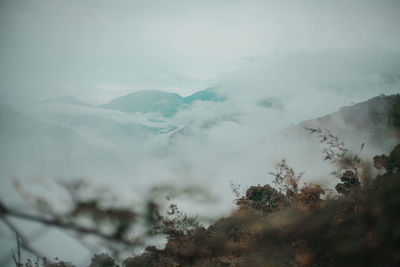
(154, 101)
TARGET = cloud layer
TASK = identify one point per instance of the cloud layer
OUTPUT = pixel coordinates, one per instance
(302, 60)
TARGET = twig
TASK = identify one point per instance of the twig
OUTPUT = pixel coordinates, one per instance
(17, 259)
(23, 241)
(60, 224)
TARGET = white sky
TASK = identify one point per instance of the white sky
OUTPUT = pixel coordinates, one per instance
(313, 55)
(98, 49)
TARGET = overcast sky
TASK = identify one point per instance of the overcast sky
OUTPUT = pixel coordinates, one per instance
(311, 56)
(97, 50)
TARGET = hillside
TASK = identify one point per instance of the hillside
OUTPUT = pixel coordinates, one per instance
(67, 100)
(205, 95)
(297, 226)
(154, 101)
(289, 222)
(14, 124)
(374, 115)
(374, 122)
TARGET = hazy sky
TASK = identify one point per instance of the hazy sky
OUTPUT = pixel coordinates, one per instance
(312, 56)
(98, 49)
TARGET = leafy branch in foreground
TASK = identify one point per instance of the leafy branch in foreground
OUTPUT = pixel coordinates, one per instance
(285, 179)
(335, 148)
(337, 153)
(120, 230)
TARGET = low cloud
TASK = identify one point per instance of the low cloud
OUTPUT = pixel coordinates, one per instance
(303, 60)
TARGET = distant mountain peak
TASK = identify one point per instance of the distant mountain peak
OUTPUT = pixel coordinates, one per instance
(377, 120)
(271, 103)
(67, 100)
(155, 101)
(209, 94)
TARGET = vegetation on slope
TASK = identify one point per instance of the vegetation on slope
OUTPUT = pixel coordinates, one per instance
(287, 223)
(292, 226)
(283, 224)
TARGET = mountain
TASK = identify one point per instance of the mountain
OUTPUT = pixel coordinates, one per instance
(375, 121)
(271, 103)
(206, 95)
(14, 124)
(67, 100)
(154, 101)
(151, 101)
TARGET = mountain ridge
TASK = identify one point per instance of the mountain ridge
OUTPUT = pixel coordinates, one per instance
(376, 120)
(155, 101)
(67, 99)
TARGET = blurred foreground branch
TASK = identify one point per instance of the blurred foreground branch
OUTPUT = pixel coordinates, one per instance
(54, 222)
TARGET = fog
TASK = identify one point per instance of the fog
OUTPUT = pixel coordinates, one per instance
(303, 61)
(96, 50)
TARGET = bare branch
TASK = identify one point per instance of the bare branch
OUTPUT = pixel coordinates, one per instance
(55, 222)
(23, 241)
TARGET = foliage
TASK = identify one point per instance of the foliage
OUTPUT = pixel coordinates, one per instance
(358, 228)
(102, 260)
(336, 152)
(285, 179)
(283, 224)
